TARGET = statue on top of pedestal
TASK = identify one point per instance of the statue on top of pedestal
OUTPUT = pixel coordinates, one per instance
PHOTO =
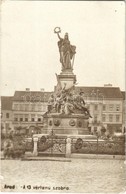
(66, 50)
(64, 100)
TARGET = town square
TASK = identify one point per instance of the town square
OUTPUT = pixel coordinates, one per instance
(69, 135)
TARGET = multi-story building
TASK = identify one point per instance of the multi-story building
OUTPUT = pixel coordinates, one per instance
(6, 113)
(25, 109)
(106, 107)
(124, 112)
(28, 108)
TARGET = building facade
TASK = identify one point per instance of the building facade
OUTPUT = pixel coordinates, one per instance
(6, 114)
(26, 108)
(124, 112)
(106, 107)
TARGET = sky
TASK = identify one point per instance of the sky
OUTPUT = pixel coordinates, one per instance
(29, 51)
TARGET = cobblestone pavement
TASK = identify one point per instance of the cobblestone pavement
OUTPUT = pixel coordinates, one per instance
(79, 175)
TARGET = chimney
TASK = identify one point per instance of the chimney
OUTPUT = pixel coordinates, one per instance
(42, 90)
(27, 89)
(107, 85)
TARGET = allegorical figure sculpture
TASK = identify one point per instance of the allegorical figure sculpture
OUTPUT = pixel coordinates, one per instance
(65, 101)
(66, 50)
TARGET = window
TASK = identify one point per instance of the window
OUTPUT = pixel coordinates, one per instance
(15, 106)
(39, 117)
(7, 115)
(21, 119)
(117, 118)
(15, 119)
(7, 125)
(117, 107)
(22, 107)
(26, 117)
(39, 107)
(104, 107)
(103, 118)
(110, 118)
(32, 107)
(44, 107)
(33, 119)
(95, 107)
(111, 107)
(26, 107)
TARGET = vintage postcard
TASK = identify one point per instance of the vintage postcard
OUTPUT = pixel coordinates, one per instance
(62, 96)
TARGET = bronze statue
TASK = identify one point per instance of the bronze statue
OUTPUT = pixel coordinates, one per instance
(79, 104)
(65, 101)
(66, 50)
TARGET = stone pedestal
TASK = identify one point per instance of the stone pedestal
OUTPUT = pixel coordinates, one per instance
(75, 124)
(67, 78)
(35, 150)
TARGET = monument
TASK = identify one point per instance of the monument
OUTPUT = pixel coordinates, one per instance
(66, 113)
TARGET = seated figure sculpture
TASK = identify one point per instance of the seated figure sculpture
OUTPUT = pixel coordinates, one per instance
(66, 102)
(79, 104)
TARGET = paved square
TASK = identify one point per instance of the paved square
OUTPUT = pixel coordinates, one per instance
(79, 175)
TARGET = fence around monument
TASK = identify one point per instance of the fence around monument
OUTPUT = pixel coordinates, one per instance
(57, 146)
(54, 146)
(60, 146)
(97, 147)
(47, 145)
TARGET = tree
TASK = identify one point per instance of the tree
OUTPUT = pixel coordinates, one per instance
(103, 129)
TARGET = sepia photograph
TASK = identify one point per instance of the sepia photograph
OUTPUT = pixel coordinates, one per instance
(62, 91)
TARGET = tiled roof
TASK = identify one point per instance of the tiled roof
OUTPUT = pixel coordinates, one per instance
(107, 92)
(32, 96)
(39, 96)
(6, 102)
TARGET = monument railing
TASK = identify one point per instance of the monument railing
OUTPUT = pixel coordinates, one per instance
(97, 146)
(75, 145)
(52, 145)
